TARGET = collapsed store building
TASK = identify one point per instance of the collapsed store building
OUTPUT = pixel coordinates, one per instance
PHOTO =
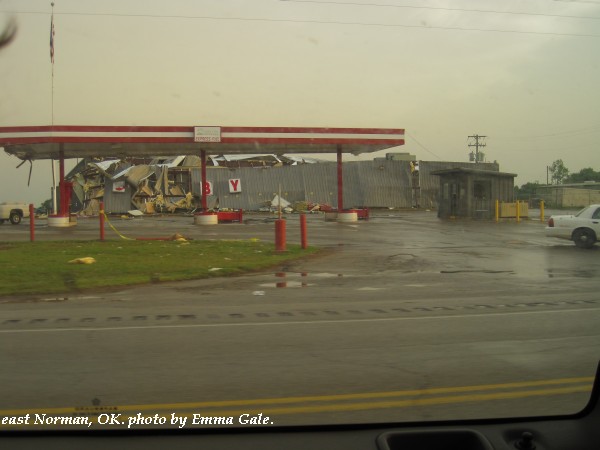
(253, 183)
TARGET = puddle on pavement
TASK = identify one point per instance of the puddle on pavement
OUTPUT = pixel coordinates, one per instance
(298, 279)
(511, 272)
(558, 273)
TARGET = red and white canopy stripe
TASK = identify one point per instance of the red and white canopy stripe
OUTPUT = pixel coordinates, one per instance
(39, 142)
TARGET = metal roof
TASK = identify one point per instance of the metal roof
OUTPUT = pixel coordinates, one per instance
(45, 142)
(458, 170)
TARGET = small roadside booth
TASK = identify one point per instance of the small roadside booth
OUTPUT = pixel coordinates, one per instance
(472, 193)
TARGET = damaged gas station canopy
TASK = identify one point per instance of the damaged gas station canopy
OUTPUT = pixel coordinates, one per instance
(52, 142)
(123, 143)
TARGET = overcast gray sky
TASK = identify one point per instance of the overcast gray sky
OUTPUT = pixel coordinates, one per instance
(523, 73)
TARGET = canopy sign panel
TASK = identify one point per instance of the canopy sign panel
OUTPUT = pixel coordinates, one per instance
(207, 134)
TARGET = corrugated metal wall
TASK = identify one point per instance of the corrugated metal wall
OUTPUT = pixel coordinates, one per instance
(320, 182)
(380, 183)
(366, 183)
(117, 202)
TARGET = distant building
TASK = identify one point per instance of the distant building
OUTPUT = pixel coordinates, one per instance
(398, 156)
(576, 195)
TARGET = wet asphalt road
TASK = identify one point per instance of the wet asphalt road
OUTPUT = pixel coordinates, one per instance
(397, 306)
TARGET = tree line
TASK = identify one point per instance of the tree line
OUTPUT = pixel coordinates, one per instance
(558, 174)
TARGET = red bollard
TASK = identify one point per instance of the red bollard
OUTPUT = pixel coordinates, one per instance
(303, 239)
(31, 223)
(101, 216)
(280, 235)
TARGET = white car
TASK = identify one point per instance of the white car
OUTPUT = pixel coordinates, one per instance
(582, 228)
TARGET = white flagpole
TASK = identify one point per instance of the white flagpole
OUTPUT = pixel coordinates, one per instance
(52, 57)
(54, 200)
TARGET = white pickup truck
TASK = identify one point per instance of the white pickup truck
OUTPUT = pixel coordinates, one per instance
(13, 212)
(582, 228)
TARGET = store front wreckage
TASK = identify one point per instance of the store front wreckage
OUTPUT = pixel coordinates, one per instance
(139, 186)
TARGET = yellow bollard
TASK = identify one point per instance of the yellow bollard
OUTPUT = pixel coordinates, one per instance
(497, 211)
(541, 210)
(518, 212)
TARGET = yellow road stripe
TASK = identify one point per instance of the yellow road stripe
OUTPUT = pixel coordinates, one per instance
(322, 398)
(358, 406)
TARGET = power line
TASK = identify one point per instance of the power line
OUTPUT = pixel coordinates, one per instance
(545, 149)
(578, 1)
(437, 8)
(421, 145)
(317, 22)
(569, 133)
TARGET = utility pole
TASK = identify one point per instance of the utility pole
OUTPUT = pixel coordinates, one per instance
(477, 157)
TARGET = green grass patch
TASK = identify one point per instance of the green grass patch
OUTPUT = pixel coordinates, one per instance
(43, 267)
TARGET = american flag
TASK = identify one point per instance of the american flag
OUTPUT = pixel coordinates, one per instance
(52, 39)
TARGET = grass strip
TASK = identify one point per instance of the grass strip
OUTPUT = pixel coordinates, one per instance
(43, 267)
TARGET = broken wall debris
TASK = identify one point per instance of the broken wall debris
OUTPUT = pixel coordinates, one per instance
(169, 185)
(121, 185)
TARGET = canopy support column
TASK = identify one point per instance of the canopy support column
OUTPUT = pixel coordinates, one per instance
(63, 217)
(204, 182)
(342, 216)
(62, 211)
(340, 182)
(204, 217)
